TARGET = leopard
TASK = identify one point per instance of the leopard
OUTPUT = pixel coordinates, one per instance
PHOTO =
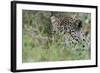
(71, 28)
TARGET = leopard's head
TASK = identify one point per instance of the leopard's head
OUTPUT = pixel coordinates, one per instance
(78, 24)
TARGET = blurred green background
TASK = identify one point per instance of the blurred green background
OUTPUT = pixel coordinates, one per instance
(37, 38)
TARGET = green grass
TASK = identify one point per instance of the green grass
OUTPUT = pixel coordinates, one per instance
(33, 52)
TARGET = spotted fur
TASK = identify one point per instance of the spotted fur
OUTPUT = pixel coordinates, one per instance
(69, 25)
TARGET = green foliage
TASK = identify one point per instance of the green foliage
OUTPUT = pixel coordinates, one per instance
(37, 38)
